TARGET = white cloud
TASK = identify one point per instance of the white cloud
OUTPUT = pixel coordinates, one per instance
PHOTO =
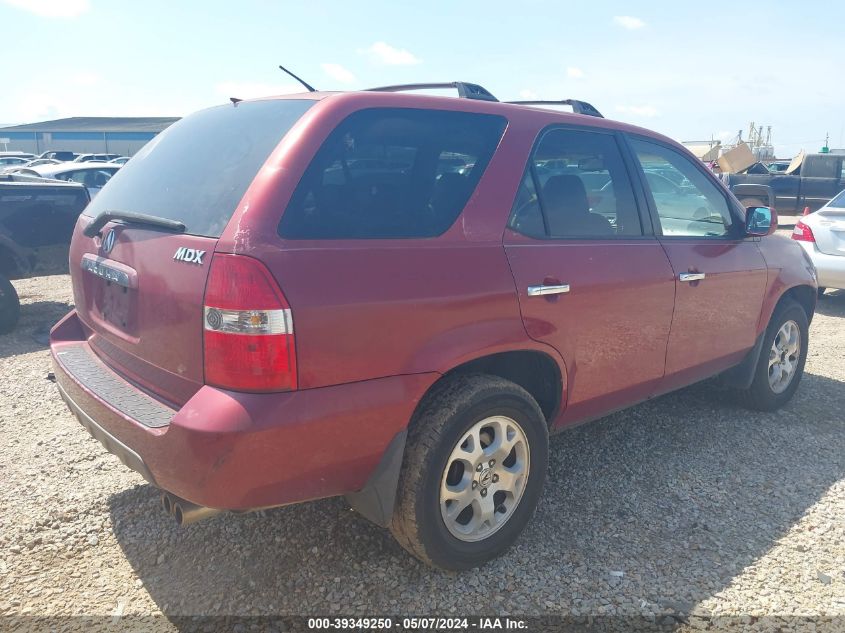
(574, 73)
(638, 110)
(338, 73)
(386, 54)
(628, 22)
(253, 90)
(52, 8)
(528, 95)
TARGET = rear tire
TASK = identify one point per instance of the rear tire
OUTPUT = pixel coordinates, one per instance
(10, 306)
(781, 364)
(455, 449)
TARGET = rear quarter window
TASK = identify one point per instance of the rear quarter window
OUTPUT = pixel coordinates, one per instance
(392, 173)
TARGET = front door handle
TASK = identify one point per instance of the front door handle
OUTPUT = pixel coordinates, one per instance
(540, 291)
(691, 276)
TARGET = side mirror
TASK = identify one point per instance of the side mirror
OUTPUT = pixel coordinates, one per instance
(760, 221)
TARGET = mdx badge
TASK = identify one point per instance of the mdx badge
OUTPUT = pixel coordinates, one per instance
(190, 255)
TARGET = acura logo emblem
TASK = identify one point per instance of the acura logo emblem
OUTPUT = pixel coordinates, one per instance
(108, 242)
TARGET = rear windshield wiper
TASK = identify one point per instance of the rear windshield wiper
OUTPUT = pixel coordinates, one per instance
(130, 217)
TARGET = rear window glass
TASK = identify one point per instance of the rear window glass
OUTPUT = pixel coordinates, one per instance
(392, 173)
(199, 168)
(838, 201)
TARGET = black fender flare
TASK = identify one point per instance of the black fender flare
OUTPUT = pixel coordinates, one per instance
(377, 498)
(742, 375)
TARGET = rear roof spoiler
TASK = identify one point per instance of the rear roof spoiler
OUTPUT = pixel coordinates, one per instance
(578, 107)
(465, 89)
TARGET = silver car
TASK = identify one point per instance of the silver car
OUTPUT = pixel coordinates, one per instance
(822, 234)
(93, 175)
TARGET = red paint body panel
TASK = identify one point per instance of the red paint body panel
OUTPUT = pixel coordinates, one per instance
(240, 451)
(785, 271)
(379, 309)
(376, 322)
(611, 328)
(716, 319)
(151, 332)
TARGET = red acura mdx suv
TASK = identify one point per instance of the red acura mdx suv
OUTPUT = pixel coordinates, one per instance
(398, 297)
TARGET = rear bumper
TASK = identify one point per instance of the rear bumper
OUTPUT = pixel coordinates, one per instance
(239, 451)
(830, 269)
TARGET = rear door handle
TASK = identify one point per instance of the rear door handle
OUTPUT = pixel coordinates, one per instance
(539, 291)
(691, 276)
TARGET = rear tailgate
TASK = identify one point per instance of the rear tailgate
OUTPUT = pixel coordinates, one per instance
(143, 307)
(828, 226)
(139, 288)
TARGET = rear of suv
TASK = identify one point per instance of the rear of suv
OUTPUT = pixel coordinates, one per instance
(397, 298)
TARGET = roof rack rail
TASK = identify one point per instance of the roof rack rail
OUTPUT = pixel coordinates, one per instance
(578, 107)
(465, 89)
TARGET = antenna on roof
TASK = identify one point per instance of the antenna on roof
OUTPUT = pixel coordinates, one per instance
(235, 100)
(308, 86)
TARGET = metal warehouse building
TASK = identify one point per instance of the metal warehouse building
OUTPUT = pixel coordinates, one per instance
(114, 135)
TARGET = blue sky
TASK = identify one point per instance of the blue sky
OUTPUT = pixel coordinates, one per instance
(689, 70)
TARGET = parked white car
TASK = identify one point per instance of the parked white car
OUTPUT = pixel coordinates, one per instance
(822, 234)
(93, 175)
(9, 162)
(95, 158)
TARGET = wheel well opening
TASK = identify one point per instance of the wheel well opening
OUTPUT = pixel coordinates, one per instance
(535, 372)
(805, 296)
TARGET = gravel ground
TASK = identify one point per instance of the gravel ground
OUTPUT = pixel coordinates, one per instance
(686, 508)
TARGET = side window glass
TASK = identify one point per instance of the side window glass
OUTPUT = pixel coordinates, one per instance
(392, 173)
(576, 186)
(820, 166)
(687, 203)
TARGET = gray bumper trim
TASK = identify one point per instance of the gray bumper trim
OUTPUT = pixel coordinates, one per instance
(113, 445)
(91, 373)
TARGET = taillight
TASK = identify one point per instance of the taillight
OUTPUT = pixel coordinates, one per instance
(803, 233)
(248, 328)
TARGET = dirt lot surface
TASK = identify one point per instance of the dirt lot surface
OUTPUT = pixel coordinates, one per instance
(684, 509)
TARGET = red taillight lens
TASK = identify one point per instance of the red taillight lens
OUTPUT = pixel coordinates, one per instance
(803, 233)
(248, 328)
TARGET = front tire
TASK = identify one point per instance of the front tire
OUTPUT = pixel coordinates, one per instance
(781, 363)
(473, 472)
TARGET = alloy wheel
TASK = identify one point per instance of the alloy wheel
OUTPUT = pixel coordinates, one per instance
(484, 479)
(784, 356)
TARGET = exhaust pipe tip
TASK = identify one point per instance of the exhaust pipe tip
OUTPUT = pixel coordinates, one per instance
(166, 503)
(178, 514)
(185, 512)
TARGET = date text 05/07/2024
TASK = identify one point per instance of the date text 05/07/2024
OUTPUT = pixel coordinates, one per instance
(418, 623)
